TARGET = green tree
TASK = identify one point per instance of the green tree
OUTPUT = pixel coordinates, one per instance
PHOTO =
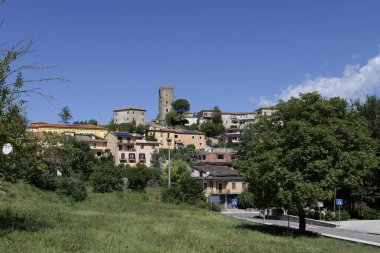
(217, 116)
(107, 178)
(65, 115)
(370, 110)
(302, 152)
(181, 106)
(138, 177)
(171, 118)
(211, 129)
(26, 152)
(178, 168)
(74, 157)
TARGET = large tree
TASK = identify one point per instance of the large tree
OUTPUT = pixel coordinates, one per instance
(370, 110)
(181, 106)
(310, 146)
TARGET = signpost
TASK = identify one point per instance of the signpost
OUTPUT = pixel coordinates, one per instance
(319, 204)
(339, 202)
(234, 202)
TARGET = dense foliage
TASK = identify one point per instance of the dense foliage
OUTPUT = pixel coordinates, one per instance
(138, 177)
(107, 178)
(305, 150)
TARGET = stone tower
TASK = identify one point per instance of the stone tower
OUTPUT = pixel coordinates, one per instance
(166, 98)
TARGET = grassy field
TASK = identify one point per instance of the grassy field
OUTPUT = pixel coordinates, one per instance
(36, 221)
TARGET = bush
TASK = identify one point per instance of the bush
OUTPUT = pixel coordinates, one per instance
(107, 178)
(186, 190)
(370, 214)
(70, 188)
(171, 195)
(43, 179)
(138, 177)
(245, 199)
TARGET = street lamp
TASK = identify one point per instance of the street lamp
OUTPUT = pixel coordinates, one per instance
(169, 144)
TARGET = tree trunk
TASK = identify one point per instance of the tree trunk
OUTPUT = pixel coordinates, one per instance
(302, 220)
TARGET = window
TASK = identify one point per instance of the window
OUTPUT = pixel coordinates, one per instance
(176, 136)
(122, 156)
(120, 148)
(200, 144)
(131, 156)
(142, 146)
(133, 112)
(204, 185)
(233, 186)
(141, 156)
(220, 157)
(161, 134)
(200, 174)
(167, 110)
(99, 154)
(211, 185)
(203, 157)
(94, 145)
(200, 137)
(192, 137)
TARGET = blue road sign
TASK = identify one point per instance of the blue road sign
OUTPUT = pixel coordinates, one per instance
(339, 202)
(234, 202)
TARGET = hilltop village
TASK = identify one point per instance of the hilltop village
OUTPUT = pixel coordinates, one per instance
(215, 150)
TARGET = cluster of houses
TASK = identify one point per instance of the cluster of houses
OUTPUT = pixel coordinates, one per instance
(221, 182)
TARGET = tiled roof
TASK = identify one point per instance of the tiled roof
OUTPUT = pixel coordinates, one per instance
(179, 131)
(89, 138)
(218, 171)
(55, 125)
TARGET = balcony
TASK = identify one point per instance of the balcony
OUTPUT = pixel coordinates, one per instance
(123, 141)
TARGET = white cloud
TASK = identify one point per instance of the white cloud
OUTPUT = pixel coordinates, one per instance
(355, 82)
(263, 101)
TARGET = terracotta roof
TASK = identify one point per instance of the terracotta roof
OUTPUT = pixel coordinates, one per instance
(55, 125)
(179, 131)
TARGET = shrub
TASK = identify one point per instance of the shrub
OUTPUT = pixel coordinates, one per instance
(186, 190)
(171, 195)
(245, 199)
(138, 177)
(43, 179)
(370, 214)
(75, 189)
(107, 178)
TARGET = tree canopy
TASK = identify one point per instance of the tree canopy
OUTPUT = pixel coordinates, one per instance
(65, 115)
(181, 106)
(302, 152)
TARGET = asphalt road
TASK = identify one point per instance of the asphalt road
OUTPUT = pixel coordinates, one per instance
(340, 233)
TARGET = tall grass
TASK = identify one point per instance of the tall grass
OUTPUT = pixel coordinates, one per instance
(39, 221)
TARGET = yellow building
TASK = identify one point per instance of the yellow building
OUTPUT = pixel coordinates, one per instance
(43, 127)
(178, 137)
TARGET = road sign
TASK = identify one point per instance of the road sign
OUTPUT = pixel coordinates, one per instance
(234, 202)
(339, 202)
(320, 204)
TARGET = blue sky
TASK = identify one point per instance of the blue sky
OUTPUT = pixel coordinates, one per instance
(238, 55)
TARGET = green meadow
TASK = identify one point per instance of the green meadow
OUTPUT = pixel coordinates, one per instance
(32, 220)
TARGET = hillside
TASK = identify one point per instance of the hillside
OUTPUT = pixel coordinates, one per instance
(36, 221)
